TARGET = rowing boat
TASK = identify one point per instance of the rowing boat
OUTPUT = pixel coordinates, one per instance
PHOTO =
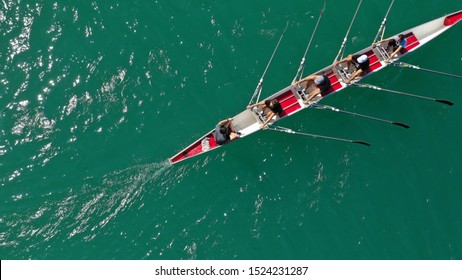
(292, 97)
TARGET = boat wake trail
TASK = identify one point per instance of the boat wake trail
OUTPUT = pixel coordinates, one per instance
(117, 192)
(83, 213)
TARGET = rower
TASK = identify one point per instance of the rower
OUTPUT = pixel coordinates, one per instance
(360, 61)
(396, 44)
(274, 107)
(224, 132)
(322, 83)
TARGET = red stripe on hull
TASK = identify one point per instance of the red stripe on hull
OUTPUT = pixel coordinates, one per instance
(195, 149)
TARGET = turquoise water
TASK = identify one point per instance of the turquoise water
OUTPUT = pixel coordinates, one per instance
(96, 96)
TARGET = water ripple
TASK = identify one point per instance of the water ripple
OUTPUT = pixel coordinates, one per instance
(84, 211)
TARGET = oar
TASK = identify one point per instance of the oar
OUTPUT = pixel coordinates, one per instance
(447, 102)
(302, 63)
(383, 25)
(260, 83)
(290, 131)
(342, 47)
(406, 65)
(323, 107)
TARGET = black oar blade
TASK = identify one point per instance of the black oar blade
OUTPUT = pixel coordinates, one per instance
(447, 102)
(401, 124)
(361, 142)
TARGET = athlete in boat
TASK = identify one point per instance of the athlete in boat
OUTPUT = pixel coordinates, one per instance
(224, 132)
(322, 85)
(396, 44)
(361, 62)
(273, 105)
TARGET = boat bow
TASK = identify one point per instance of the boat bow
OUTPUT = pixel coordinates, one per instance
(453, 18)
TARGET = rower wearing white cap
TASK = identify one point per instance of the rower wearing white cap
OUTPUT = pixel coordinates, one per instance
(322, 85)
(361, 62)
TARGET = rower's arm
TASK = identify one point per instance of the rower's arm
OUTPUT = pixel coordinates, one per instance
(256, 104)
(268, 119)
(340, 61)
(355, 74)
(384, 40)
(309, 78)
(225, 122)
(394, 53)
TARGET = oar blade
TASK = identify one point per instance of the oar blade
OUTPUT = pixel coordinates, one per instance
(447, 102)
(401, 124)
(361, 142)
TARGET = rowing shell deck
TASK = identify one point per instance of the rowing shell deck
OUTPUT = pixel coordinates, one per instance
(291, 98)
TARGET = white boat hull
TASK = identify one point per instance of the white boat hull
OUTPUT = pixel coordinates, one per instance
(250, 121)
